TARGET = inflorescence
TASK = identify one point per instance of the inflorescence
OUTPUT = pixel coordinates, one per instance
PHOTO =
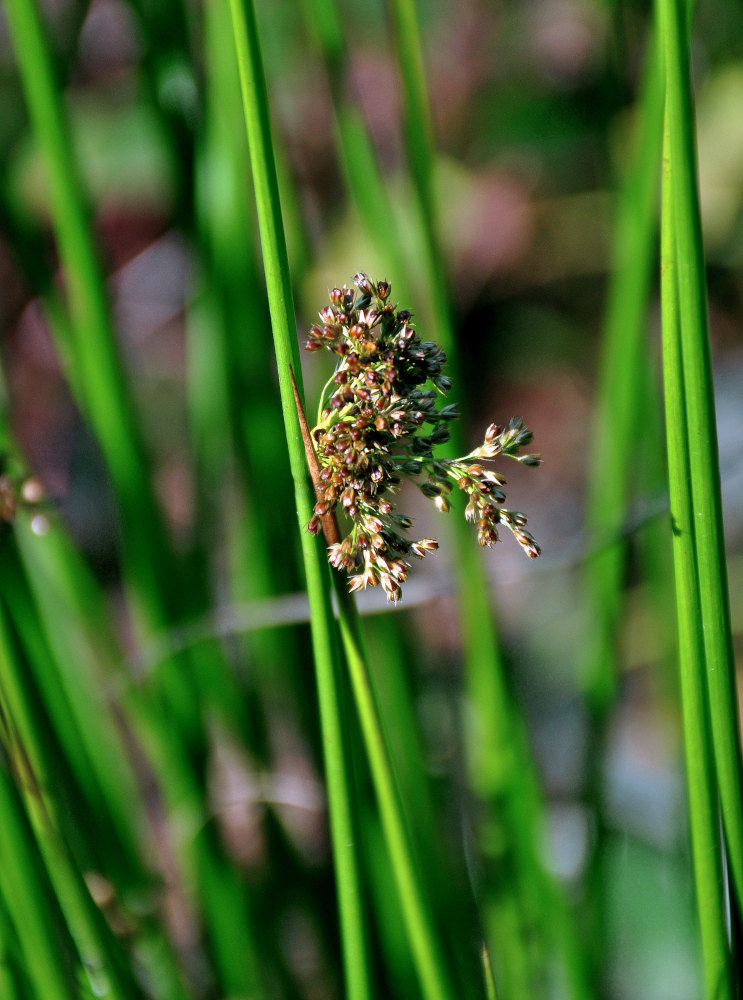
(380, 422)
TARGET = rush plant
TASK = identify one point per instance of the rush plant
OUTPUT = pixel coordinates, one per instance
(378, 423)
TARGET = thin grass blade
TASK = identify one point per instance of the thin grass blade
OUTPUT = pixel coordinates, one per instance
(699, 408)
(324, 634)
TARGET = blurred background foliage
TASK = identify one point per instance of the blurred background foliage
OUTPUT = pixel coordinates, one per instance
(208, 851)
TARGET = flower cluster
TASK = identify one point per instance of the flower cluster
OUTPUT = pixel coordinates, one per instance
(378, 421)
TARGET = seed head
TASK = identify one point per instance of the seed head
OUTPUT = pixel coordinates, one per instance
(371, 433)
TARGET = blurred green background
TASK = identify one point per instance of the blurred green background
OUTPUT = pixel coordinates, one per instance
(534, 104)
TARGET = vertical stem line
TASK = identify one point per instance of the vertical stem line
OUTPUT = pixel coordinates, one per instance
(87, 342)
(416, 913)
(703, 808)
(324, 634)
(505, 748)
(699, 405)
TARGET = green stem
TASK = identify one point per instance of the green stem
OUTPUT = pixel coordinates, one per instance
(703, 810)
(416, 913)
(699, 404)
(324, 635)
(505, 750)
(86, 344)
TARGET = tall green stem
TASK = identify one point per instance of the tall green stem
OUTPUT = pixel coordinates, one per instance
(703, 809)
(324, 634)
(680, 165)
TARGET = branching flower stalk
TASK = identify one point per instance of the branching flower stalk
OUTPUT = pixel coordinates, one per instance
(378, 422)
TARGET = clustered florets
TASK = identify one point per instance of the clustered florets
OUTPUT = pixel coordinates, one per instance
(379, 423)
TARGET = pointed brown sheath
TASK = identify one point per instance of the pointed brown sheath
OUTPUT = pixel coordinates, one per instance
(328, 521)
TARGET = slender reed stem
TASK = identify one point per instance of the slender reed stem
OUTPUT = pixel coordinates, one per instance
(416, 913)
(703, 808)
(502, 748)
(680, 163)
(87, 343)
(324, 635)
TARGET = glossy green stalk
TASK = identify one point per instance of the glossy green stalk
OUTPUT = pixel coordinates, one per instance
(324, 634)
(680, 163)
(500, 765)
(87, 343)
(703, 803)
(47, 785)
(415, 909)
(28, 900)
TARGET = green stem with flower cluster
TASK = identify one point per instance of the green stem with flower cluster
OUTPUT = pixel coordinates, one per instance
(335, 738)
